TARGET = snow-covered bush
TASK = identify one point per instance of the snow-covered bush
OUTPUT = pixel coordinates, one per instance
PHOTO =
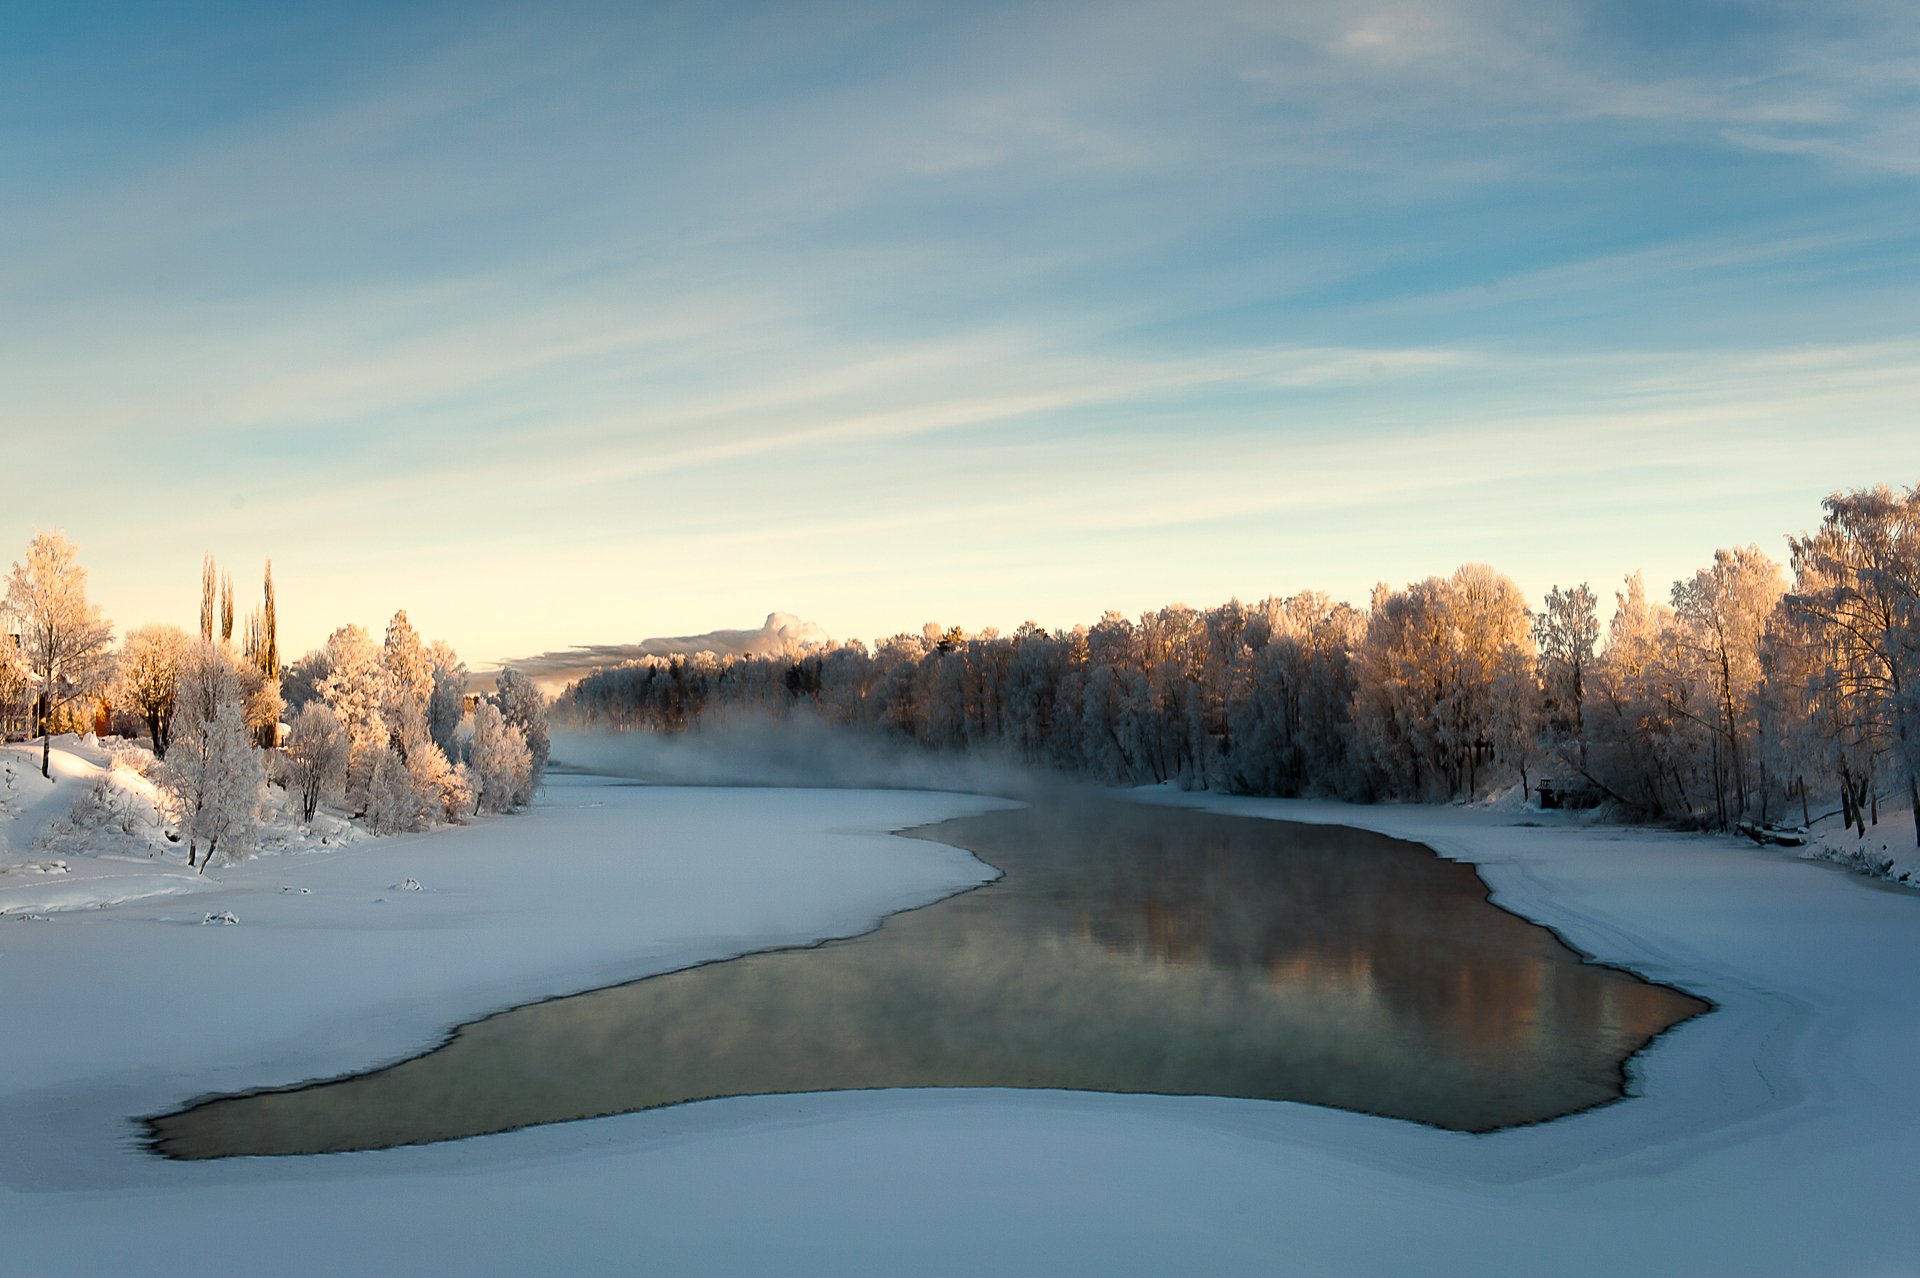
(104, 805)
(129, 756)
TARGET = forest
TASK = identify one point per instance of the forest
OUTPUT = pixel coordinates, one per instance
(1753, 693)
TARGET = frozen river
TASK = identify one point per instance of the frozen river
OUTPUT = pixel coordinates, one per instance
(1127, 948)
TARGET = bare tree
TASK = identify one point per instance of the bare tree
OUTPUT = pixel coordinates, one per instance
(65, 638)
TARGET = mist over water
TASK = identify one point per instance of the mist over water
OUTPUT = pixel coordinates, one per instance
(1125, 949)
(799, 751)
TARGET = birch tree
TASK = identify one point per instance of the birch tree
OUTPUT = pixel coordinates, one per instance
(1858, 579)
(64, 637)
(147, 678)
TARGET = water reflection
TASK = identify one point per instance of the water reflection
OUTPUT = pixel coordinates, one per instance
(1127, 949)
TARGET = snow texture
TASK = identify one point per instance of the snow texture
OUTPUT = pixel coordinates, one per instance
(1772, 1137)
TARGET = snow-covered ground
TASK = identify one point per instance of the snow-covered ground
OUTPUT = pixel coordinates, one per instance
(1776, 1136)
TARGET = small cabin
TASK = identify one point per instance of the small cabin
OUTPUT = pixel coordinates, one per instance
(1558, 792)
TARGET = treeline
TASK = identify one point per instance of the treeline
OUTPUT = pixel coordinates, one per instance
(386, 728)
(1754, 691)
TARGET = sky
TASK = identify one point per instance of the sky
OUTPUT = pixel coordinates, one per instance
(577, 324)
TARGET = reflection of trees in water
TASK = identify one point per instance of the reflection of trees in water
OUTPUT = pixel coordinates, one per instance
(1338, 915)
(1126, 949)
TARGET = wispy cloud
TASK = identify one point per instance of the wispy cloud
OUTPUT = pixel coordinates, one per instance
(844, 310)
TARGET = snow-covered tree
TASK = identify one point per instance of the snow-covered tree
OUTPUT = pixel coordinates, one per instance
(1723, 610)
(66, 640)
(316, 756)
(147, 678)
(408, 684)
(265, 703)
(523, 707)
(213, 775)
(393, 805)
(15, 678)
(443, 788)
(209, 596)
(300, 681)
(1566, 633)
(355, 687)
(447, 704)
(499, 763)
(1857, 579)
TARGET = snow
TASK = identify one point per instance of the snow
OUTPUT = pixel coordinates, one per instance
(1775, 1136)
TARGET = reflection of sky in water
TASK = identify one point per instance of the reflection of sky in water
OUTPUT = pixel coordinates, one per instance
(1127, 949)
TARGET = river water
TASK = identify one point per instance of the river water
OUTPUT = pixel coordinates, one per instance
(1124, 949)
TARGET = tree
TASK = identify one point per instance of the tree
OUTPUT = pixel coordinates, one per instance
(300, 680)
(265, 703)
(147, 678)
(1566, 631)
(15, 678)
(1724, 610)
(500, 765)
(393, 805)
(209, 593)
(316, 756)
(214, 775)
(522, 706)
(1858, 580)
(65, 638)
(408, 684)
(355, 687)
(447, 704)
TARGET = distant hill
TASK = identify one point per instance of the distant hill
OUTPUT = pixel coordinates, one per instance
(552, 671)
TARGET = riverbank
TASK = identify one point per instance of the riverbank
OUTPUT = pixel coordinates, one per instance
(1771, 1137)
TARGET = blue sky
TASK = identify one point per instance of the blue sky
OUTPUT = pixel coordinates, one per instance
(579, 323)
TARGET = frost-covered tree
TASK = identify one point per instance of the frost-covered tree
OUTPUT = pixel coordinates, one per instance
(261, 650)
(15, 679)
(316, 756)
(300, 681)
(147, 678)
(1857, 580)
(209, 596)
(1445, 669)
(1723, 610)
(213, 775)
(1566, 632)
(356, 688)
(499, 763)
(447, 704)
(524, 708)
(64, 637)
(393, 805)
(408, 684)
(443, 788)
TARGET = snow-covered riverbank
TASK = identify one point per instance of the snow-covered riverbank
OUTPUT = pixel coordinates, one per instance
(1773, 1137)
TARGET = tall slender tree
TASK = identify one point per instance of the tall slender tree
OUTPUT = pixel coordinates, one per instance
(209, 592)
